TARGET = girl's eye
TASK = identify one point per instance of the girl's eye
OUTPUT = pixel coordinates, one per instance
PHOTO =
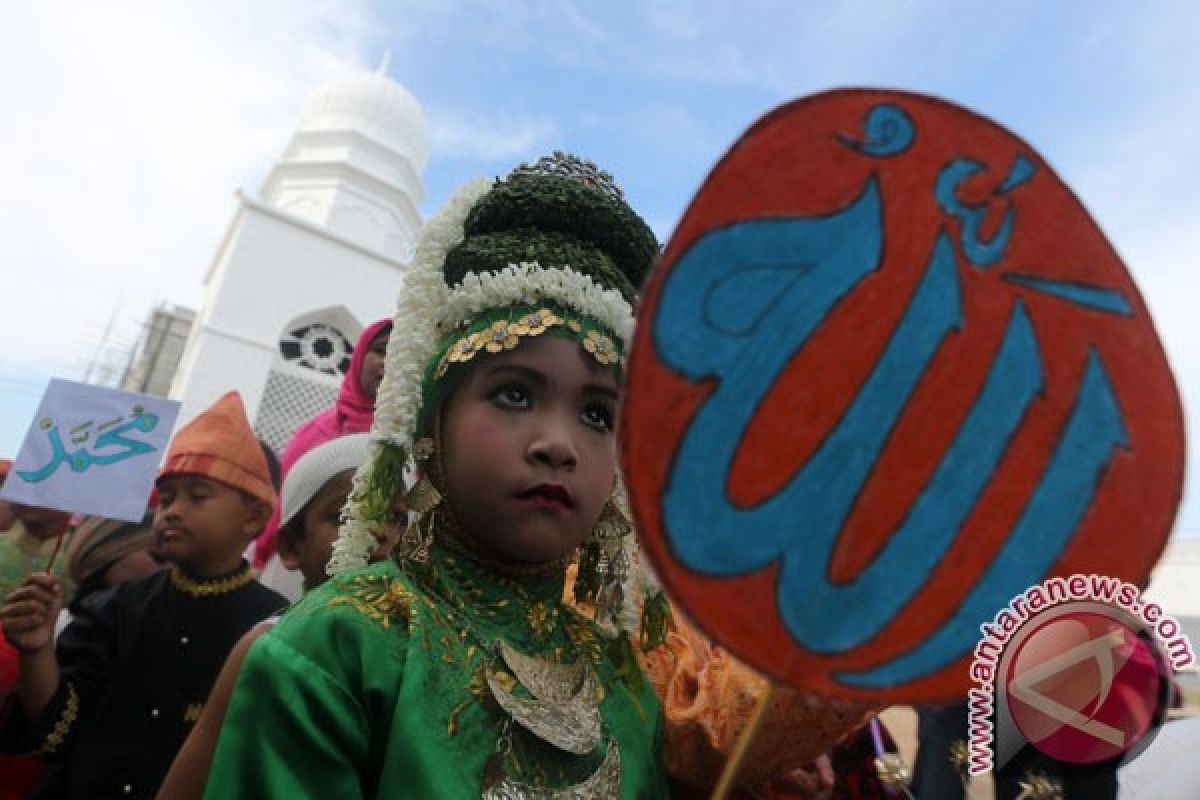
(598, 416)
(511, 396)
(165, 500)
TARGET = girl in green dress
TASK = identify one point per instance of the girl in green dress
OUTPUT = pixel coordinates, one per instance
(456, 669)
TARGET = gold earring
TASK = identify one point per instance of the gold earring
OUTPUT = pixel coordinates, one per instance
(423, 497)
(416, 540)
(421, 500)
(603, 563)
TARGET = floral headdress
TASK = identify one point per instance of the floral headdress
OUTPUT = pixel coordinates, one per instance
(553, 249)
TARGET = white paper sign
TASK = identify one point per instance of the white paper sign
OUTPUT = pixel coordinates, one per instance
(92, 450)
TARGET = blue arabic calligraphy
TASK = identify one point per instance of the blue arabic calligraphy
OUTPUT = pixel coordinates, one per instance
(980, 252)
(888, 130)
(82, 459)
(749, 296)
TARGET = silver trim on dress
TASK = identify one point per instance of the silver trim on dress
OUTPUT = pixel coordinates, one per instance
(603, 784)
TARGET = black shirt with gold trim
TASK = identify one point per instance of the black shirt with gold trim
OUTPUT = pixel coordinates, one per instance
(136, 664)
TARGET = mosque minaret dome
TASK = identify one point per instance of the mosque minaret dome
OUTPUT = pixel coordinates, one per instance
(355, 161)
(313, 258)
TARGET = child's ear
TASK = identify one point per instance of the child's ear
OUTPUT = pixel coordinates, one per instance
(287, 544)
(256, 519)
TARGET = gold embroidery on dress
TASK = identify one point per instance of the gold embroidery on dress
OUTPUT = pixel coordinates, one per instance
(58, 735)
(211, 588)
(581, 631)
(479, 694)
(378, 597)
(539, 618)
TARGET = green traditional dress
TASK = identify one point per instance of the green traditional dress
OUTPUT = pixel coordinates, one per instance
(389, 682)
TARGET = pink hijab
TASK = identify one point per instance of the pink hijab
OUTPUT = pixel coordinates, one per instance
(353, 413)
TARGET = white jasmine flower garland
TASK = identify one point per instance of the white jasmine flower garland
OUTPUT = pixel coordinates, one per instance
(415, 329)
(529, 282)
(410, 346)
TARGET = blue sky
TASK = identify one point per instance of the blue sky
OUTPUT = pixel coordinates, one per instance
(130, 124)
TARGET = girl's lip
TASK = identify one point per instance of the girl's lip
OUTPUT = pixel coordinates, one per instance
(547, 495)
(538, 501)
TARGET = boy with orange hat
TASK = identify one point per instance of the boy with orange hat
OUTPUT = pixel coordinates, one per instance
(113, 705)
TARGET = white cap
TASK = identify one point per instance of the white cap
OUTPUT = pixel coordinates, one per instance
(314, 469)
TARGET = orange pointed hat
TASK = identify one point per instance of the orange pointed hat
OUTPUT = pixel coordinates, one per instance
(220, 444)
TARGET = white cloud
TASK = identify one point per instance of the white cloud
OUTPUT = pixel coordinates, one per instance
(1162, 257)
(1136, 173)
(487, 137)
(759, 44)
(128, 125)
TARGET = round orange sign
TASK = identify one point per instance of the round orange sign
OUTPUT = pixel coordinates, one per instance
(888, 374)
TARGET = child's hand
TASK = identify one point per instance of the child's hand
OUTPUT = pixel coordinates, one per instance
(30, 611)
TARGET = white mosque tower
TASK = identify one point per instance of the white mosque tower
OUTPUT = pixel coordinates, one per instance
(301, 271)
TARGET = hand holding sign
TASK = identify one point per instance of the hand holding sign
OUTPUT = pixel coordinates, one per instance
(92, 450)
(30, 612)
(887, 375)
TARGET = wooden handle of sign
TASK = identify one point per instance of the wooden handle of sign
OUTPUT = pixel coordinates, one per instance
(58, 542)
(734, 763)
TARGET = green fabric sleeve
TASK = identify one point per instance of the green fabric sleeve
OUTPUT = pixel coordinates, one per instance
(292, 730)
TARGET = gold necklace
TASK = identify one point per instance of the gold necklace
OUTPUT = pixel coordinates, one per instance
(563, 711)
(603, 784)
(211, 587)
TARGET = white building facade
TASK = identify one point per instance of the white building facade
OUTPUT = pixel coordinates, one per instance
(301, 271)
(154, 361)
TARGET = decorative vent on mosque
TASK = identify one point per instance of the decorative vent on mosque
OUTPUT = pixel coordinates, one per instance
(318, 347)
(290, 399)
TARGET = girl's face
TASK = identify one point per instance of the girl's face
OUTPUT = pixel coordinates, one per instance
(372, 365)
(529, 449)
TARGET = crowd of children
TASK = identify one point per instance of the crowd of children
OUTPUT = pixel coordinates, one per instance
(449, 656)
(112, 701)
